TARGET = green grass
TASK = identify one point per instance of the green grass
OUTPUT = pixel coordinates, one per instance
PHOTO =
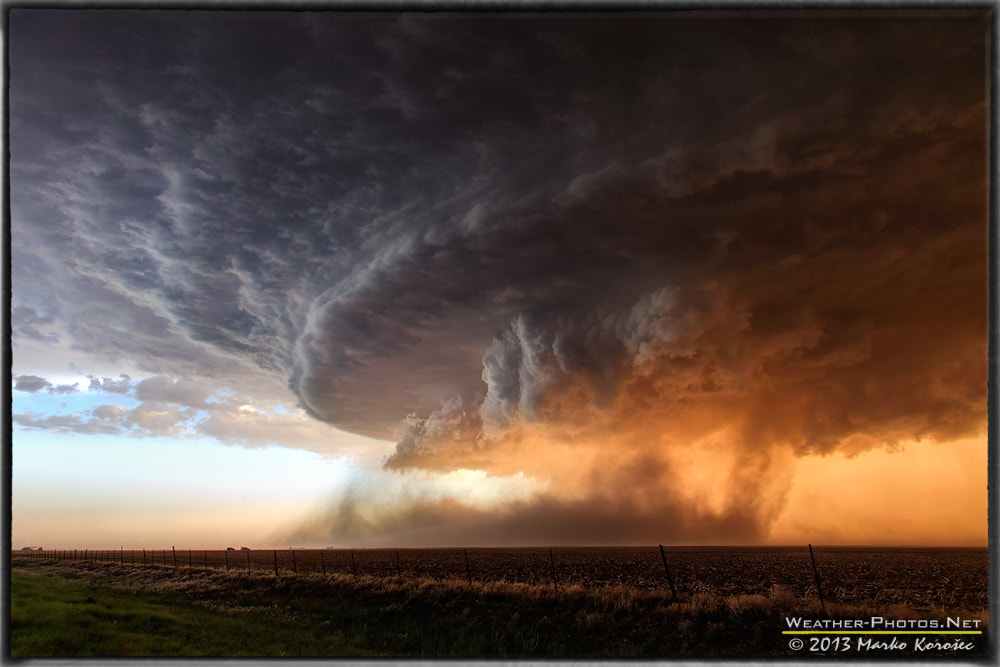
(53, 616)
(87, 609)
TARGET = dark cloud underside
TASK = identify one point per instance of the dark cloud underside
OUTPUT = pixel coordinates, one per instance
(477, 234)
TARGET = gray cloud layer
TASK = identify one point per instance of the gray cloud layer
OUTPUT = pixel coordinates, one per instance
(441, 229)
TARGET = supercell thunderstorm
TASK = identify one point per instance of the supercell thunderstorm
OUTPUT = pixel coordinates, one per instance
(647, 261)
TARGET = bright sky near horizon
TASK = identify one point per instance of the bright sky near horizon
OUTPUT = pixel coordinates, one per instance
(431, 279)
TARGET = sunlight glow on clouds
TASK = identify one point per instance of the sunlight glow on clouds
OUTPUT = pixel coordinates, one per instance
(931, 495)
(547, 279)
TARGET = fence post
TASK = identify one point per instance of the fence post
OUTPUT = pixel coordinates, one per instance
(670, 580)
(816, 572)
(227, 560)
(275, 562)
(295, 568)
(206, 559)
(189, 558)
(248, 561)
(144, 556)
(322, 563)
(354, 566)
(175, 556)
(468, 571)
(552, 562)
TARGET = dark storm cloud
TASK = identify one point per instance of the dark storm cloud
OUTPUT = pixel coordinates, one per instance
(30, 324)
(791, 144)
(453, 229)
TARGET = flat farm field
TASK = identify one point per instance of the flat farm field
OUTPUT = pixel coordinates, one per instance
(505, 603)
(920, 578)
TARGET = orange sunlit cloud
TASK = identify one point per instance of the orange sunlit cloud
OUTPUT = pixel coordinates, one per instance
(925, 494)
(632, 297)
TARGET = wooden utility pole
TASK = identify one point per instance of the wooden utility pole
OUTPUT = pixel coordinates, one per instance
(816, 573)
(670, 580)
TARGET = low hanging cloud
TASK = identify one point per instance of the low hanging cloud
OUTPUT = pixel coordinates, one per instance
(648, 259)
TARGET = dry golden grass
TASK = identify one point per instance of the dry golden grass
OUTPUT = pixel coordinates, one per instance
(431, 617)
(924, 579)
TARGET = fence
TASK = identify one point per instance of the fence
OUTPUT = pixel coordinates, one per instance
(530, 565)
(885, 575)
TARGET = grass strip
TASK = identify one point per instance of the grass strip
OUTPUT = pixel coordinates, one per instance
(52, 616)
(235, 614)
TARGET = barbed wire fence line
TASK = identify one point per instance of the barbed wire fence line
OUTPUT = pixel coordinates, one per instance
(931, 578)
